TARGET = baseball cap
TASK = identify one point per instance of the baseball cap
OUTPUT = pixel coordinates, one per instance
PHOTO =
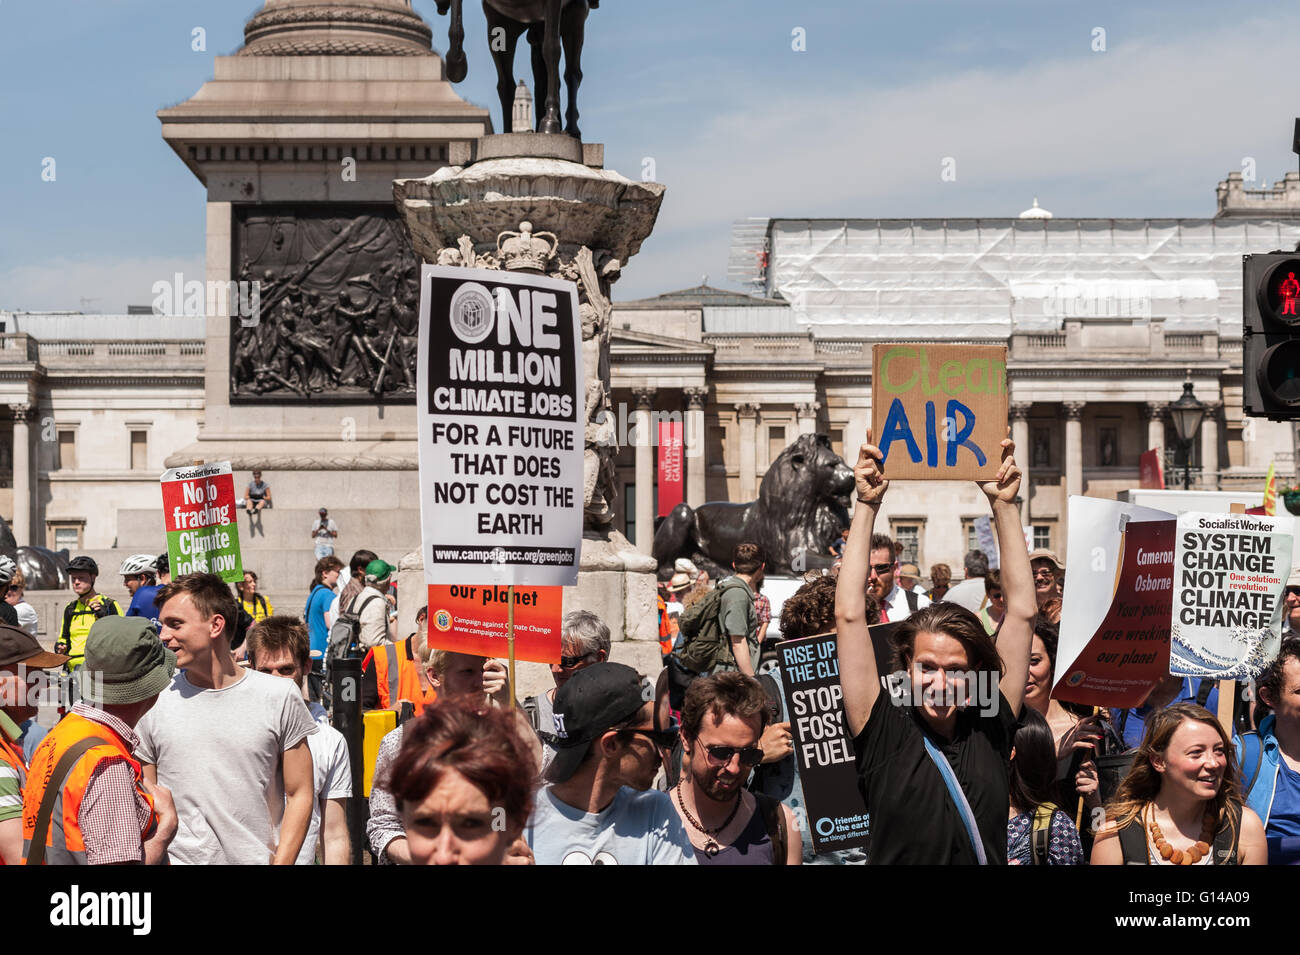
(592, 701)
(378, 571)
(324, 510)
(19, 646)
(125, 662)
(1294, 579)
(1042, 553)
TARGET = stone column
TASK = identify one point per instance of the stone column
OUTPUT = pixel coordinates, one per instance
(1019, 412)
(806, 412)
(1154, 412)
(645, 470)
(695, 433)
(748, 412)
(1073, 452)
(1210, 446)
(23, 476)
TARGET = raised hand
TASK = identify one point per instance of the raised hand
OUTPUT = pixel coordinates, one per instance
(868, 474)
(1004, 488)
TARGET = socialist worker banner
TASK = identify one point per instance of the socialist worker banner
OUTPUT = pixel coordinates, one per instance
(201, 521)
(670, 466)
(1230, 571)
(473, 619)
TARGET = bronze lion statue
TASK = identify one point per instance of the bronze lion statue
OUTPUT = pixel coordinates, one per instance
(802, 506)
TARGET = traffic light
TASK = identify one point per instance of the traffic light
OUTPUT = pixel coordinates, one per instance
(1270, 293)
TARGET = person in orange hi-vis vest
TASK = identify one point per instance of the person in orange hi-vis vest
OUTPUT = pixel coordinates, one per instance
(392, 672)
(20, 654)
(87, 802)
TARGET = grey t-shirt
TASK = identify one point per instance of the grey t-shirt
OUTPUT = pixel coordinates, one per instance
(637, 828)
(219, 752)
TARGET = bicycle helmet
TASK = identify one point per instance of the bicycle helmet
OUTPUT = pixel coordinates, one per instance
(138, 564)
(7, 568)
(84, 564)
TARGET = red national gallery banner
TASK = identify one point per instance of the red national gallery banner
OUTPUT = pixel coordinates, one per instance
(1116, 612)
(473, 619)
(670, 466)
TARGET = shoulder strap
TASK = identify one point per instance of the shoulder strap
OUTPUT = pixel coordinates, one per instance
(1203, 691)
(365, 603)
(52, 790)
(774, 822)
(912, 602)
(964, 810)
(1224, 850)
(1133, 843)
(1250, 743)
(68, 612)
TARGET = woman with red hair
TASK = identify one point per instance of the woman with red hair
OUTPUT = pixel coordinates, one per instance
(464, 783)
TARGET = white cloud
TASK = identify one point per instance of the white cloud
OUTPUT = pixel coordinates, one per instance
(110, 284)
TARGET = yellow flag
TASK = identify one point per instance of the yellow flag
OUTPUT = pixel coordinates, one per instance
(1270, 492)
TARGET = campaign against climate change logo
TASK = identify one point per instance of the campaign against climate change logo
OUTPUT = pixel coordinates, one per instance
(201, 521)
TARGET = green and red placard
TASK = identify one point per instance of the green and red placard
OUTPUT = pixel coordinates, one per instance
(202, 522)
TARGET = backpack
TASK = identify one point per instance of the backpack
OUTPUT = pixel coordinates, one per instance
(343, 635)
(704, 645)
(1041, 833)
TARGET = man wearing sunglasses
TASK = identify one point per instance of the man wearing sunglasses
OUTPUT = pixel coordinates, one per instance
(895, 602)
(1291, 609)
(584, 640)
(723, 720)
(599, 808)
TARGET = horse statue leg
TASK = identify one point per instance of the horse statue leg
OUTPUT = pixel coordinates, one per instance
(456, 61)
(536, 34)
(502, 46)
(551, 50)
(572, 34)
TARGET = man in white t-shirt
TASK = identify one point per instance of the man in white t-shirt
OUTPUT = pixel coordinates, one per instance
(230, 743)
(895, 602)
(599, 808)
(279, 646)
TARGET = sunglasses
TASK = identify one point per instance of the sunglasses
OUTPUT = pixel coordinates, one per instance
(882, 569)
(14, 589)
(995, 595)
(749, 755)
(568, 663)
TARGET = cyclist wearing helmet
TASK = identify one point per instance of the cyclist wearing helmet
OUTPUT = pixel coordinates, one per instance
(79, 614)
(138, 575)
(7, 569)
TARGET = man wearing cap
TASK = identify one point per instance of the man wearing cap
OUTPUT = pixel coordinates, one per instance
(599, 808)
(80, 613)
(377, 626)
(104, 812)
(19, 654)
(1291, 602)
(1049, 571)
(324, 533)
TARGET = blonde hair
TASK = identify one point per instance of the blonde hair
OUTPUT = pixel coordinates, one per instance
(18, 580)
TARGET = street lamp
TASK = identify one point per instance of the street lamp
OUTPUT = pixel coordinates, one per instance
(1188, 413)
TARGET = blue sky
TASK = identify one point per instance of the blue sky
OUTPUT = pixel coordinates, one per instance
(736, 121)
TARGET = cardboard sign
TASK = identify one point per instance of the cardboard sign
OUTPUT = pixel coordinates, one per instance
(472, 619)
(500, 423)
(810, 675)
(671, 479)
(1115, 615)
(1151, 471)
(201, 521)
(1229, 577)
(939, 412)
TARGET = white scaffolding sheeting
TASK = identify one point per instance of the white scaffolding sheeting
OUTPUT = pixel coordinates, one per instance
(988, 278)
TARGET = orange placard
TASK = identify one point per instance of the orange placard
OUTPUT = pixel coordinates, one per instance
(472, 619)
(939, 412)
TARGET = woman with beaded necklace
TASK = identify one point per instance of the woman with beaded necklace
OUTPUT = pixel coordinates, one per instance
(1179, 804)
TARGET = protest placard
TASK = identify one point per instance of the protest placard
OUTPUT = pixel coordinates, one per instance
(500, 419)
(810, 675)
(474, 619)
(1115, 615)
(201, 522)
(939, 412)
(1230, 571)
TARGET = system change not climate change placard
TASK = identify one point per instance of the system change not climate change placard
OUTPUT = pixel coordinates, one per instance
(201, 521)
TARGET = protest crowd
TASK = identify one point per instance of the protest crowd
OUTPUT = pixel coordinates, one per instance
(200, 726)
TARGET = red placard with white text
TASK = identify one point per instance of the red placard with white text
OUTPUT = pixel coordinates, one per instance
(473, 619)
(670, 466)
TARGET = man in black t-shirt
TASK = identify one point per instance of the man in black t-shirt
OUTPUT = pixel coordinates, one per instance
(933, 753)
